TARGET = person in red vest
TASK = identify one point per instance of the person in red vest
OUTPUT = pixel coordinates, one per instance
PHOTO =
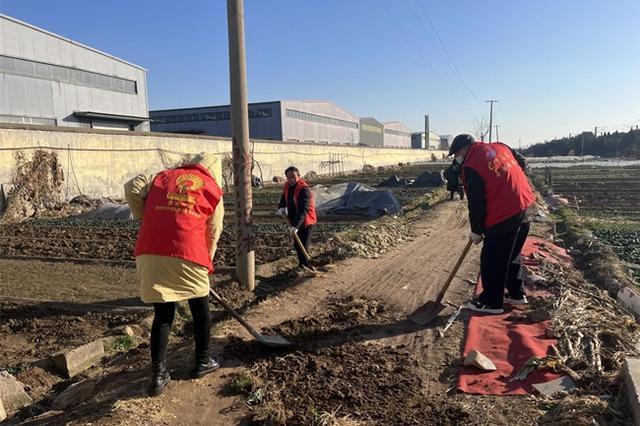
(500, 199)
(298, 205)
(182, 213)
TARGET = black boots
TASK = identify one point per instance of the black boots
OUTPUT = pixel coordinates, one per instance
(203, 368)
(160, 377)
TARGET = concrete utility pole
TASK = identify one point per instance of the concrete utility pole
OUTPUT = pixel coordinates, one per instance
(426, 131)
(595, 131)
(245, 255)
(491, 101)
(497, 137)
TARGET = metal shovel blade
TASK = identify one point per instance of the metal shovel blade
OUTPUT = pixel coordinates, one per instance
(426, 313)
(273, 341)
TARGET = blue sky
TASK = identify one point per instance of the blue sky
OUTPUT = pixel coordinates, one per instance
(556, 66)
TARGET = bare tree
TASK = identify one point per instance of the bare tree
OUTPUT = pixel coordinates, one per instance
(481, 127)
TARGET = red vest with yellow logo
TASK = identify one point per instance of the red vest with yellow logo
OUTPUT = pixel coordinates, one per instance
(176, 211)
(310, 218)
(506, 188)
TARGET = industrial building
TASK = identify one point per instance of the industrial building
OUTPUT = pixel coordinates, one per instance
(371, 132)
(396, 135)
(50, 80)
(284, 120)
(418, 141)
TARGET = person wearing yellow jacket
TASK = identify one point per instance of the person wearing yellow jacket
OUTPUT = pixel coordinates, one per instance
(182, 217)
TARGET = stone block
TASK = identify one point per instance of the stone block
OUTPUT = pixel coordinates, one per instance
(3, 412)
(478, 360)
(632, 377)
(550, 388)
(74, 395)
(75, 361)
(12, 393)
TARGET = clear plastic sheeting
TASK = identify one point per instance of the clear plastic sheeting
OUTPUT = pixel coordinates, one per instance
(355, 199)
(109, 210)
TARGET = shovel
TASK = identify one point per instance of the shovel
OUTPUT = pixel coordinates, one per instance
(273, 341)
(427, 312)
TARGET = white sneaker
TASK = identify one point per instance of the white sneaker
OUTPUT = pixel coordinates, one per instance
(478, 306)
(523, 301)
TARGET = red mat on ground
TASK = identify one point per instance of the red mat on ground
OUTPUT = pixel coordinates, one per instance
(507, 343)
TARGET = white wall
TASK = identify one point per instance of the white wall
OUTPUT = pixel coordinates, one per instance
(100, 162)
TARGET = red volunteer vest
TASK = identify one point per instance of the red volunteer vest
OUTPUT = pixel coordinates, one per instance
(506, 187)
(176, 211)
(311, 218)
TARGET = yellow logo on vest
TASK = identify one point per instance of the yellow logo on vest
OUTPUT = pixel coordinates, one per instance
(182, 201)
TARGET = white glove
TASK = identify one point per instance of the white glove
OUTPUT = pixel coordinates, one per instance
(476, 238)
(282, 211)
(293, 230)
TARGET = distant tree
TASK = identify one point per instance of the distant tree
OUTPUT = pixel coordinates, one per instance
(606, 145)
(481, 127)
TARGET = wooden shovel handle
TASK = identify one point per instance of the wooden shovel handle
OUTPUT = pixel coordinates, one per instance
(299, 243)
(453, 273)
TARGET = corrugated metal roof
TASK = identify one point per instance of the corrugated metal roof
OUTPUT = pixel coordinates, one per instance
(33, 27)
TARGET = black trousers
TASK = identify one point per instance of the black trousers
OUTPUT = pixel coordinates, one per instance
(162, 320)
(497, 268)
(304, 233)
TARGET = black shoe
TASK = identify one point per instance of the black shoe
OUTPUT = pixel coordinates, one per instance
(160, 378)
(478, 306)
(202, 369)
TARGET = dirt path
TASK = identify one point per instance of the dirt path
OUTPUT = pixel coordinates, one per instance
(405, 278)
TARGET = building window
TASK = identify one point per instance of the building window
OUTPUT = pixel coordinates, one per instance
(69, 75)
(209, 116)
(300, 115)
(27, 120)
(396, 133)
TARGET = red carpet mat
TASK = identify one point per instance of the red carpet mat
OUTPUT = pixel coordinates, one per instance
(507, 343)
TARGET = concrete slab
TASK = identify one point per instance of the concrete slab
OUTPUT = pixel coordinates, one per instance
(12, 393)
(632, 377)
(77, 360)
(630, 298)
(562, 384)
(478, 360)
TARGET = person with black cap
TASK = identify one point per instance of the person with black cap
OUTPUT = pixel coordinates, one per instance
(499, 197)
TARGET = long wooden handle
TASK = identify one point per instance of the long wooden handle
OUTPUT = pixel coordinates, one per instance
(299, 242)
(453, 272)
(234, 314)
(304, 250)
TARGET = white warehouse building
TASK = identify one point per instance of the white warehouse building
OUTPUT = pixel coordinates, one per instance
(50, 80)
(284, 120)
(396, 135)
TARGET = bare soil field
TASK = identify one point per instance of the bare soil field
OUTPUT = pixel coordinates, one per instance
(356, 359)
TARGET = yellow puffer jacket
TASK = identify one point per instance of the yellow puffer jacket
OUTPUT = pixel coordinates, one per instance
(169, 279)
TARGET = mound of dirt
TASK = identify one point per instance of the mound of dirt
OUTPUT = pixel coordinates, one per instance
(335, 318)
(372, 383)
(353, 380)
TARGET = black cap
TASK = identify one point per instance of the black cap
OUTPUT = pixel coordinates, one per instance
(460, 142)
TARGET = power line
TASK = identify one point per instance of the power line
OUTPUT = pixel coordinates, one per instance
(424, 58)
(446, 51)
(431, 39)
